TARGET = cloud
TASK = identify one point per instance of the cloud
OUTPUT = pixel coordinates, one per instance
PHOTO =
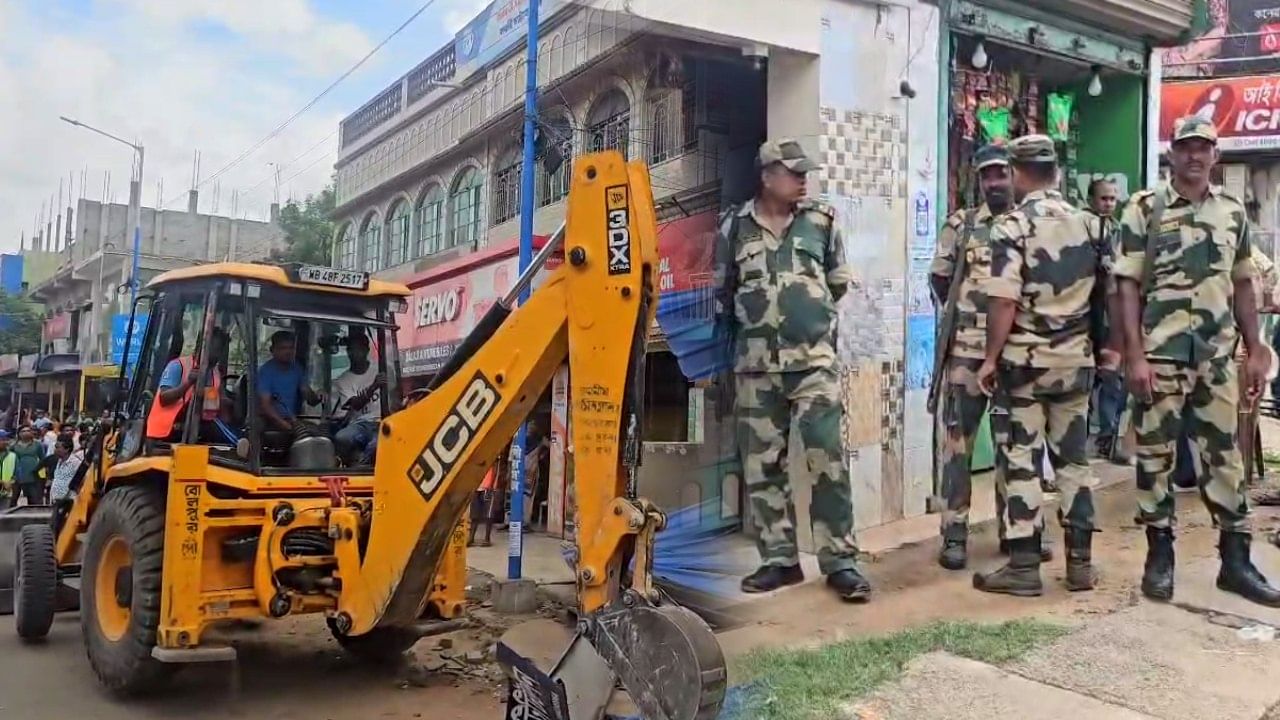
(176, 76)
(290, 28)
(455, 14)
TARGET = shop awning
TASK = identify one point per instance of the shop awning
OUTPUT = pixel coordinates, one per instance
(1160, 22)
(58, 363)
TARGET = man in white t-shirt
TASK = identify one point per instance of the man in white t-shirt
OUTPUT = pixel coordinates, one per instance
(357, 399)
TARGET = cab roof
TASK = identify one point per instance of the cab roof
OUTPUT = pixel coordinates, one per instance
(273, 274)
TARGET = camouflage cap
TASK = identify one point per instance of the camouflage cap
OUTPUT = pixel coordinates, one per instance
(989, 155)
(1194, 126)
(787, 152)
(1033, 149)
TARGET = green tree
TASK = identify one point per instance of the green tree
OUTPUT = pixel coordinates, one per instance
(20, 326)
(308, 229)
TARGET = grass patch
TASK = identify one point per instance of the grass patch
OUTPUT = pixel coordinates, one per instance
(813, 683)
(1271, 457)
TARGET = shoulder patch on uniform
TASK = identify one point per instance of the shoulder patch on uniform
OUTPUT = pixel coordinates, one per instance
(1232, 198)
(818, 206)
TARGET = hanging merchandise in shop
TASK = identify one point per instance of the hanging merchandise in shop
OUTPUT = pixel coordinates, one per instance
(1001, 90)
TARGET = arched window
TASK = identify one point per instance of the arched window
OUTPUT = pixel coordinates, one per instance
(345, 253)
(506, 188)
(464, 209)
(609, 123)
(371, 240)
(557, 140)
(430, 221)
(398, 234)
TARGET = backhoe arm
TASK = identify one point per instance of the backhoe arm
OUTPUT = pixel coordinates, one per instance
(594, 312)
(433, 455)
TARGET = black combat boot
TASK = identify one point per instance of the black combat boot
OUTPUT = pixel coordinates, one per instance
(1238, 575)
(955, 547)
(771, 577)
(1021, 576)
(1081, 574)
(850, 585)
(1157, 574)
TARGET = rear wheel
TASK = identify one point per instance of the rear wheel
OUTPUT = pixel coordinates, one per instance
(120, 589)
(382, 646)
(35, 588)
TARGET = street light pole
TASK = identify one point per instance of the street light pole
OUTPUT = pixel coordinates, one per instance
(135, 214)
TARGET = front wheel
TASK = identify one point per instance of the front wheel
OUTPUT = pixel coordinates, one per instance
(120, 589)
(35, 590)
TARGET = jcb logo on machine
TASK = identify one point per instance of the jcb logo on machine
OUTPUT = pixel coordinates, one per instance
(618, 229)
(454, 435)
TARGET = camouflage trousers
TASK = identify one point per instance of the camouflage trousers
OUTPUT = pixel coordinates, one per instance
(963, 406)
(769, 405)
(1206, 398)
(1047, 411)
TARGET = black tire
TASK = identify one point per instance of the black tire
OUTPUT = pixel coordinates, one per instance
(35, 591)
(134, 515)
(380, 646)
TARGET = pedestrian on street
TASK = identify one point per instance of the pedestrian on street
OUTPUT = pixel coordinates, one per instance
(1041, 357)
(959, 271)
(8, 469)
(1109, 394)
(780, 271)
(1186, 286)
(26, 480)
(67, 462)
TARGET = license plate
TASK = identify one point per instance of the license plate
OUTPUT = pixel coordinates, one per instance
(349, 279)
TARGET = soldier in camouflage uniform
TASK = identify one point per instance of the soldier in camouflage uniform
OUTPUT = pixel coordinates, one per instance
(1186, 287)
(780, 270)
(1040, 354)
(963, 403)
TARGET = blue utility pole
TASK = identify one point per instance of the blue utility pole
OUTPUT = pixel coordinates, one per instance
(515, 545)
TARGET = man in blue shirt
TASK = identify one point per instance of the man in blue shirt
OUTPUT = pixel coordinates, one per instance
(282, 384)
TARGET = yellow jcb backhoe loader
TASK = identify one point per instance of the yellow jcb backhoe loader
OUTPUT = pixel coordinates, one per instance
(241, 507)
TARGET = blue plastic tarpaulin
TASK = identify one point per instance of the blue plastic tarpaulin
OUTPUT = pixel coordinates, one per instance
(699, 343)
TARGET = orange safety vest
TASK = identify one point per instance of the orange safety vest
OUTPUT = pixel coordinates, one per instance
(162, 417)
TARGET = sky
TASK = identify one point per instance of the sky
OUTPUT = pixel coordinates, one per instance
(180, 76)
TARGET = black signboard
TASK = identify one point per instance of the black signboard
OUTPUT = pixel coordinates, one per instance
(531, 693)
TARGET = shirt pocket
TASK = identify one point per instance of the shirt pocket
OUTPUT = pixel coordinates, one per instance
(1222, 251)
(810, 257)
(752, 260)
(978, 261)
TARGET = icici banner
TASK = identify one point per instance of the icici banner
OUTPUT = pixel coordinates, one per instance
(1246, 110)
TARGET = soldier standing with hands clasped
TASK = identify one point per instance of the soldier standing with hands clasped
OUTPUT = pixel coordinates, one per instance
(959, 270)
(1040, 356)
(780, 271)
(1186, 288)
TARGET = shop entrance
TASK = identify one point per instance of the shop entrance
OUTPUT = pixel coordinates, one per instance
(1094, 114)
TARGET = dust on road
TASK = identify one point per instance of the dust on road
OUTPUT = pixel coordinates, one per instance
(288, 670)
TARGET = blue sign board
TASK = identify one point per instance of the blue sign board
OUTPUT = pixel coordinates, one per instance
(495, 31)
(119, 329)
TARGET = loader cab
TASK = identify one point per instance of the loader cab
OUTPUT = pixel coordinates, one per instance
(227, 315)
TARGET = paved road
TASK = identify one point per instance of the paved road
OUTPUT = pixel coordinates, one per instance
(288, 670)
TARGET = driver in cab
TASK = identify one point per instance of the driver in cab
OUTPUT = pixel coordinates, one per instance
(282, 384)
(177, 388)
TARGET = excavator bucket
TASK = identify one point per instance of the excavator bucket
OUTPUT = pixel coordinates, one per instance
(11, 523)
(668, 663)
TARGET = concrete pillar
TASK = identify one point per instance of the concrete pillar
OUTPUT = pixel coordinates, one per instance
(233, 245)
(211, 238)
(193, 201)
(275, 213)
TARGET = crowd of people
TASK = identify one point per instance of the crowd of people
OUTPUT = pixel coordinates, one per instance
(39, 456)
